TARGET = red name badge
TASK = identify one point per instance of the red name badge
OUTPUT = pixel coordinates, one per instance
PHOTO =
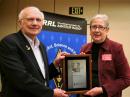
(106, 57)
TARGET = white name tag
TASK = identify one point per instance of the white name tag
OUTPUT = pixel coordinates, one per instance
(106, 57)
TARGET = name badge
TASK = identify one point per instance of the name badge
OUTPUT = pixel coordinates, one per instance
(106, 57)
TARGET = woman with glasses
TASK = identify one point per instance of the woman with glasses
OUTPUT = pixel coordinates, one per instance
(110, 69)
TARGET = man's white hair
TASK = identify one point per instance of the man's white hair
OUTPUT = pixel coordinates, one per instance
(23, 11)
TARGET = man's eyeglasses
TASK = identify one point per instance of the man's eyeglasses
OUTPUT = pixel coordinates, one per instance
(101, 28)
(39, 20)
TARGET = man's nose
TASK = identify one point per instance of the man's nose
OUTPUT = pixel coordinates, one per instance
(34, 21)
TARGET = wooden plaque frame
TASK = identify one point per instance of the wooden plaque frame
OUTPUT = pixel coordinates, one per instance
(77, 73)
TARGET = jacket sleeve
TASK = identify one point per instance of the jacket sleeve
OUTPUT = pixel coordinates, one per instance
(53, 72)
(122, 69)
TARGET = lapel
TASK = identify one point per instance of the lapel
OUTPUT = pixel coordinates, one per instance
(27, 50)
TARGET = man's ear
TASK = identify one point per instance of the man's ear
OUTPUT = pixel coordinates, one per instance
(19, 23)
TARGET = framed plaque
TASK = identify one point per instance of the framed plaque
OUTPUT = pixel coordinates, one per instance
(77, 73)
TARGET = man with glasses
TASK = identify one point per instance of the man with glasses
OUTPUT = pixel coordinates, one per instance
(23, 60)
(110, 69)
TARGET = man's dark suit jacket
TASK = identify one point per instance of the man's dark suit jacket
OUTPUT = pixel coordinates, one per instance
(20, 73)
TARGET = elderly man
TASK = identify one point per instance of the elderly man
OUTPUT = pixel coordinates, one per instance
(23, 60)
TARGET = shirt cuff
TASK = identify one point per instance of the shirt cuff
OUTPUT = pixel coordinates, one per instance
(104, 92)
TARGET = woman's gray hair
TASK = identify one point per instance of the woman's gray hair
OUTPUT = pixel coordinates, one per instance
(23, 11)
(104, 17)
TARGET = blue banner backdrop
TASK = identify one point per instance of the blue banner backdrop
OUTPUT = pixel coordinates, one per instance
(62, 33)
